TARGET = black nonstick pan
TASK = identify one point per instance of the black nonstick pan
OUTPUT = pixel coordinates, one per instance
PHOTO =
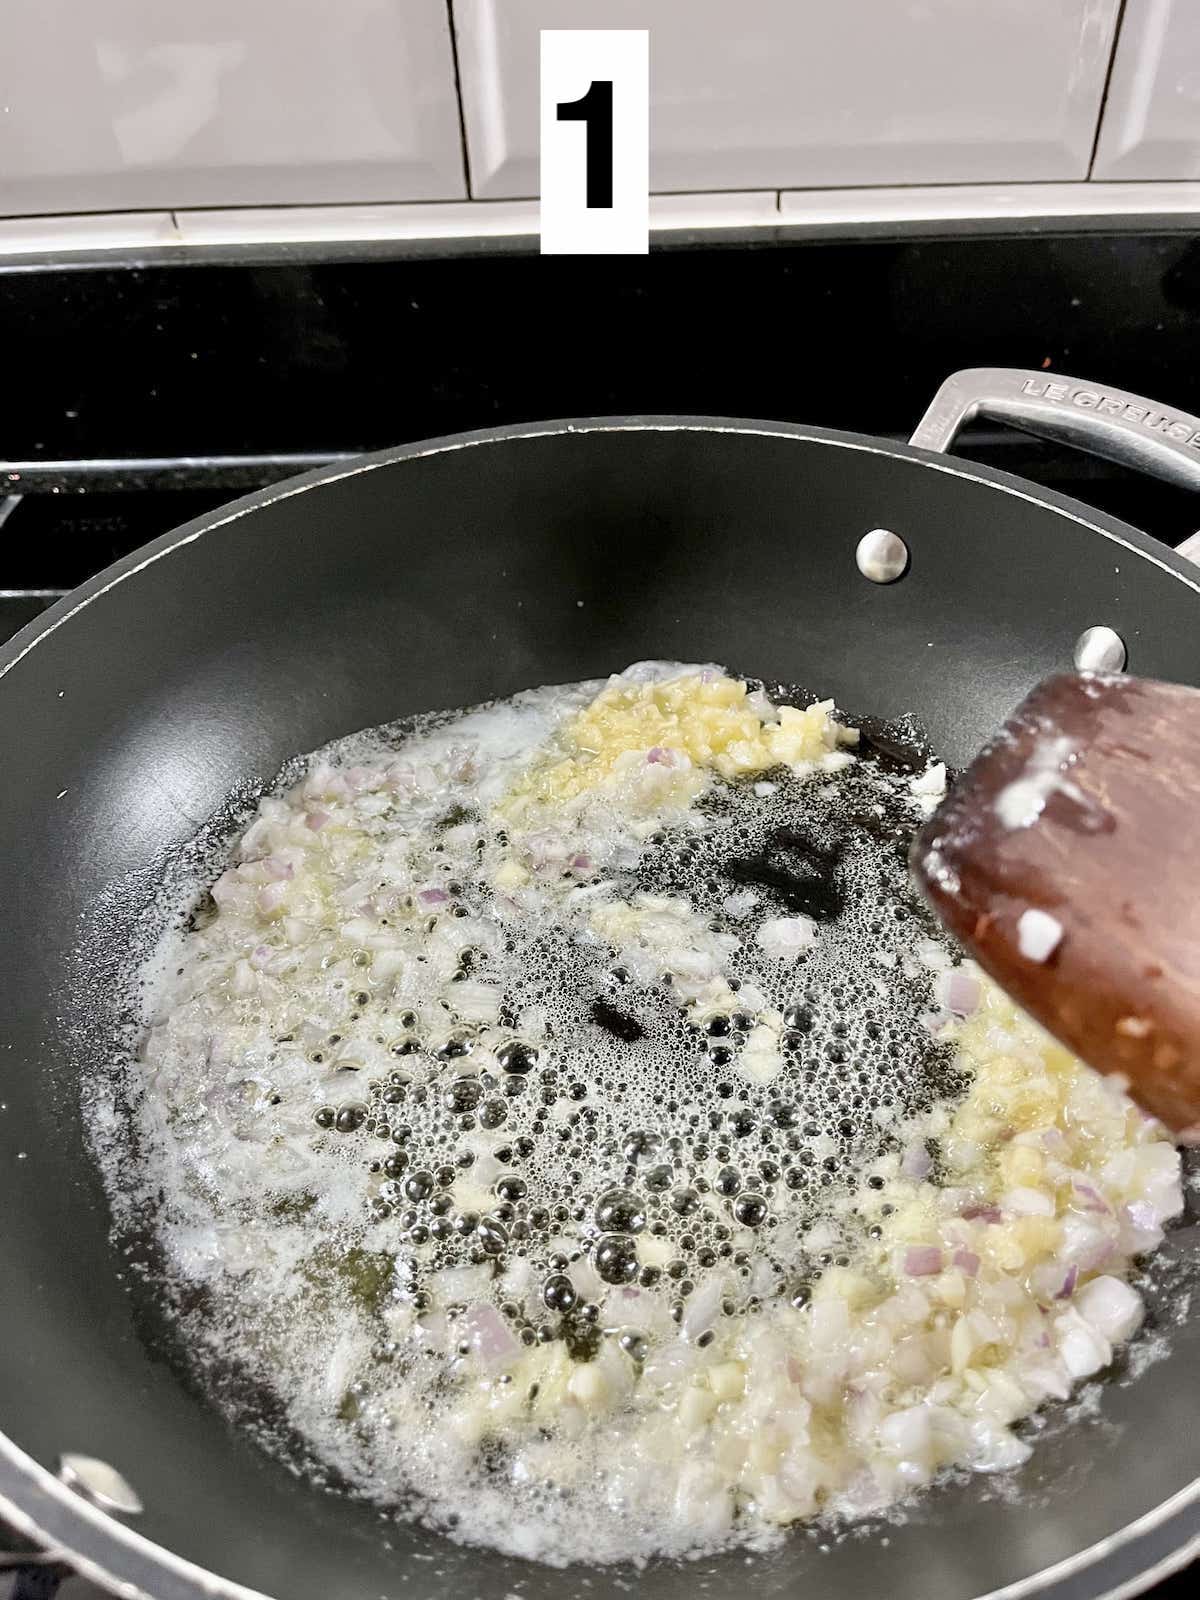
(438, 575)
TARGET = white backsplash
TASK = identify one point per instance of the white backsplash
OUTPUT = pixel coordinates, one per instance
(123, 106)
(782, 94)
(1152, 115)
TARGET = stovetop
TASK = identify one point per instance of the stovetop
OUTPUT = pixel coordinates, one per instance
(140, 396)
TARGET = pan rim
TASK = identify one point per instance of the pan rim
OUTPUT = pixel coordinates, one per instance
(23, 1479)
(109, 1538)
(1120, 533)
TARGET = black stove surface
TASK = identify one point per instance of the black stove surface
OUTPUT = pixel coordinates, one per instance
(293, 354)
(141, 396)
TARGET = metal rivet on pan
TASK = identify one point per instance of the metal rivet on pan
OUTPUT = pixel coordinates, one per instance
(1100, 649)
(101, 1484)
(881, 555)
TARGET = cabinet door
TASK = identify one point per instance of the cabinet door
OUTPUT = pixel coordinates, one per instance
(1151, 123)
(800, 93)
(127, 104)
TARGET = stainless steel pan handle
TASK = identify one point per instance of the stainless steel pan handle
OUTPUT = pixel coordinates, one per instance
(1109, 423)
(1122, 427)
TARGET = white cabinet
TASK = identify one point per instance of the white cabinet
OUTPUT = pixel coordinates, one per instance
(1152, 114)
(127, 104)
(750, 94)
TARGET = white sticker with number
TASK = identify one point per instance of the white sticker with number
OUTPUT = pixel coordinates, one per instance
(595, 182)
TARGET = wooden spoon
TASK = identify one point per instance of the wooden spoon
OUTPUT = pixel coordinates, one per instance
(1067, 861)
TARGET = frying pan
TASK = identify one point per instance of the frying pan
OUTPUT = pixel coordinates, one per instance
(441, 574)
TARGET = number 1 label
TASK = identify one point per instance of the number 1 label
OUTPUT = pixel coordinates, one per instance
(596, 110)
(595, 92)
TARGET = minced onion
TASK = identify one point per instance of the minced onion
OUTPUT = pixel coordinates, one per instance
(1003, 1220)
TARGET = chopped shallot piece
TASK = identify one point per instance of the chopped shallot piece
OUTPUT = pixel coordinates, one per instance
(786, 937)
(930, 782)
(1068, 1284)
(922, 1260)
(916, 1161)
(271, 898)
(1111, 1307)
(489, 1336)
(1095, 1200)
(958, 992)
